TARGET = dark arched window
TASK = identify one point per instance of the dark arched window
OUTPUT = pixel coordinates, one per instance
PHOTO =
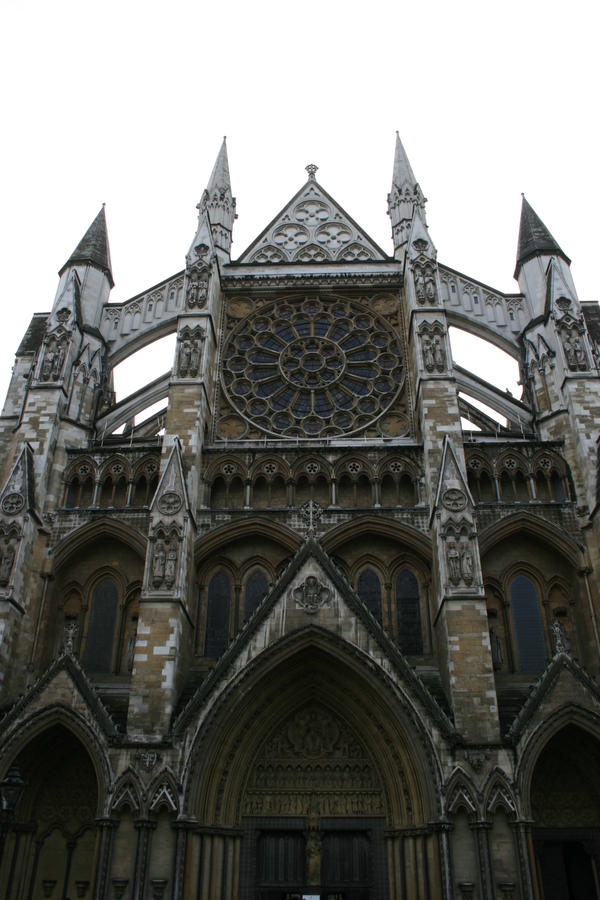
(369, 591)
(527, 619)
(257, 588)
(217, 615)
(101, 629)
(410, 637)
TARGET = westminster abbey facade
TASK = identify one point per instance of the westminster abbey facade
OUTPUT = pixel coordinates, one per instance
(320, 626)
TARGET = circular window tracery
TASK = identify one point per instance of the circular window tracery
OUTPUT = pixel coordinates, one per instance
(312, 368)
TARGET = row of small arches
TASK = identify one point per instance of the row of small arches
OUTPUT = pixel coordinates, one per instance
(348, 491)
(111, 492)
(517, 487)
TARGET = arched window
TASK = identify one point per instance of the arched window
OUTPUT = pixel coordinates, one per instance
(99, 642)
(217, 615)
(527, 620)
(369, 590)
(257, 588)
(410, 637)
(72, 498)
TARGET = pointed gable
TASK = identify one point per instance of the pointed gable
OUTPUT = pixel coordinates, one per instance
(312, 228)
(312, 595)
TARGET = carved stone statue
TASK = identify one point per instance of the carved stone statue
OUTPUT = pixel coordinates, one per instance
(562, 644)
(466, 566)
(171, 566)
(8, 558)
(313, 858)
(158, 565)
(453, 559)
(439, 354)
(497, 651)
(430, 291)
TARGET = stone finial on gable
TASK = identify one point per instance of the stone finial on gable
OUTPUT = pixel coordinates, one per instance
(18, 494)
(171, 497)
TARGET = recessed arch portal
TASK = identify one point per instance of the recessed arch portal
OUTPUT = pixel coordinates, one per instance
(303, 670)
(61, 797)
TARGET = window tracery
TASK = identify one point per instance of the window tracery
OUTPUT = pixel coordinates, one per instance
(310, 368)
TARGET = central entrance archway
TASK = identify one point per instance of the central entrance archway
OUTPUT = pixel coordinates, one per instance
(314, 812)
(313, 778)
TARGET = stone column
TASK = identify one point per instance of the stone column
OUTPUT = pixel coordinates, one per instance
(106, 829)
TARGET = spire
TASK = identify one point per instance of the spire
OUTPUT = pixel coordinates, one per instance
(534, 238)
(217, 206)
(403, 173)
(219, 180)
(404, 198)
(93, 249)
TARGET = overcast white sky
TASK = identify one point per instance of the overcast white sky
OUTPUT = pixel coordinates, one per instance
(127, 102)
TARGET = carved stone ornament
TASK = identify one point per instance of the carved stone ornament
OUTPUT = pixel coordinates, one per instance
(63, 315)
(148, 759)
(454, 499)
(190, 352)
(197, 287)
(164, 564)
(13, 503)
(53, 357)
(70, 633)
(170, 503)
(459, 559)
(425, 286)
(311, 595)
(560, 638)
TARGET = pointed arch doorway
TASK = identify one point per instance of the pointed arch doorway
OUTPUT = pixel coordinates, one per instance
(314, 812)
(565, 804)
(313, 781)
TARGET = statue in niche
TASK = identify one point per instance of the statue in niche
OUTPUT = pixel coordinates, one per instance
(314, 846)
(575, 353)
(48, 363)
(561, 640)
(197, 289)
(420, 285)
(54, 358)
(189, 358)
(466, 566)
(497, 651)
(158, 565)
(171, 566)
(434, 355)
(6, 566)
(428, 356)
(430, 291)
(453, 560)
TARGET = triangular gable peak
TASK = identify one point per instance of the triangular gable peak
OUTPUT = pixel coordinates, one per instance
(547, 698)
(63, 684)
(312, 594)
(312, 228)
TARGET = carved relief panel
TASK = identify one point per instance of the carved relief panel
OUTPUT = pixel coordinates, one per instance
(313, 765)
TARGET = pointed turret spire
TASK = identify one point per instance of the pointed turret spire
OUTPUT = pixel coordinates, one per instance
(404, 198)
(534, 238)
(403, 173)
(217, 205)
(93, 249)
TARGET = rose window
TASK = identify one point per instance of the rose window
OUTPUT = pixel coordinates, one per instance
(312, 368)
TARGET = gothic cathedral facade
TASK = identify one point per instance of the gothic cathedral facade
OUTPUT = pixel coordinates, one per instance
(305, 631)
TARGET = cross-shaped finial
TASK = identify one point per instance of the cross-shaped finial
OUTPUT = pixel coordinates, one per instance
(312, 171)
(311, 513)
